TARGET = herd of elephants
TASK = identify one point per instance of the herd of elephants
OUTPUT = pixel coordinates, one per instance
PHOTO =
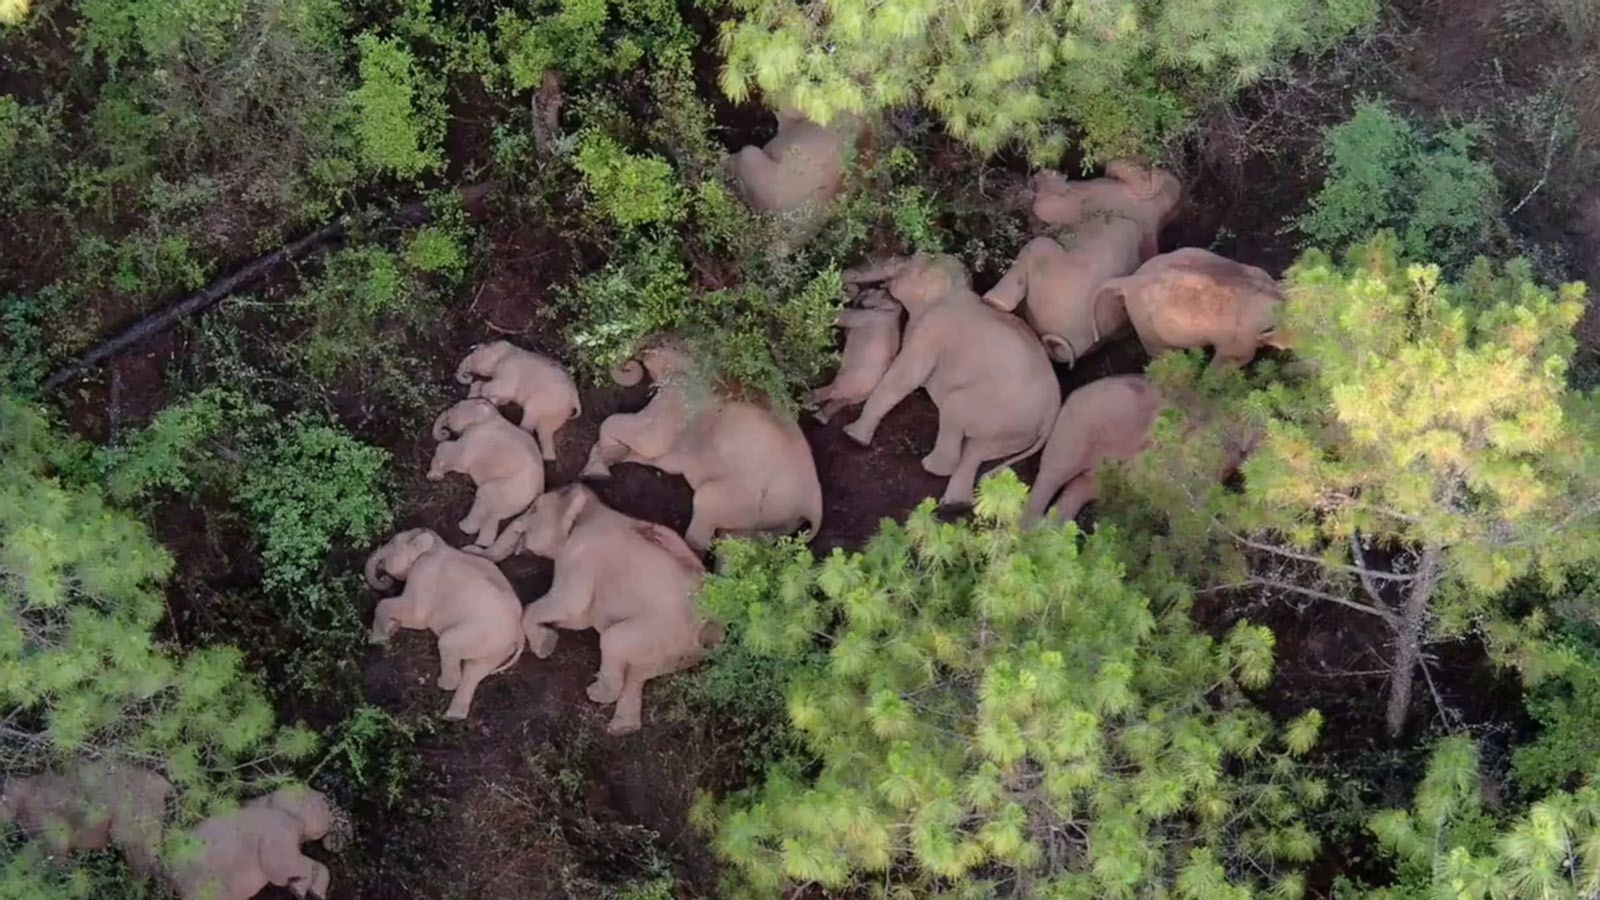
(1094, 271)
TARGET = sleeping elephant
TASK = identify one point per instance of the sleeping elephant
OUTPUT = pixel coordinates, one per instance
(538, 384)
(1195, 298)
(501, 459)
(996, 391)
(751, 470)
(802, 164)
(99, 804)
(241, 852)
(1106, 419)
(872, 338)
(464, 599)
(1103, 229)
(632, 581)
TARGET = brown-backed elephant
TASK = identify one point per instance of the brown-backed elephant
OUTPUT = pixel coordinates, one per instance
(802, 164)
(1103, 420)
(502, 460)
(751, 469)
(872, 338)
(1149, 196)
(538, 384)
(631, 580)
(1195, 298)
(464, 599)
(996, 391)
(96, 805)
(241, 852)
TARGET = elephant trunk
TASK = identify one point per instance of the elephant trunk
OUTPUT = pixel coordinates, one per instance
(630, 373)
(377, 579)
(440, 430)
(464, 371)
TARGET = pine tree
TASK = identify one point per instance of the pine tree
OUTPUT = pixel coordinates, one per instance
(1420, 451)
(1003, 714)
(997, 71)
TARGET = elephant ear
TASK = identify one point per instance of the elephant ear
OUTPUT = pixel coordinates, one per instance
(577, 497)
(422, 541)
(1142, 181)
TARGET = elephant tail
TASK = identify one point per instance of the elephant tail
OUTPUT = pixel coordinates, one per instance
(577, 408)
(516, 652)
(813, 510)
(1110, 296)
(1035, 447)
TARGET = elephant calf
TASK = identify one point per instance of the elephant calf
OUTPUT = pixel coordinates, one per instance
(996, 391)
(1103, 420)
(871, 342)
(751, 470)
(802, 164)
(632, 581)
(464, 599)
(538, 384)
(501, 459)
(99, 804)
(1195, 298)
(241, 852)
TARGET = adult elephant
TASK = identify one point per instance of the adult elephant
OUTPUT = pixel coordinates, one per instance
(237, 854)
(985, 370)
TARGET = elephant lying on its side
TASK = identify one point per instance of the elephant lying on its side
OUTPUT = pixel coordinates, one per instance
(99, 804)
(996, 391)
(1106, 419)
(501, 459)
(632, 581)
(534, 382)
(803, 163)
(872, 339)
(259, 844)
(1103, 229)
(750, 469)
(1195, 298)
(464, 599)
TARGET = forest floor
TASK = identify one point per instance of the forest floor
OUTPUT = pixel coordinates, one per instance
(531, 799)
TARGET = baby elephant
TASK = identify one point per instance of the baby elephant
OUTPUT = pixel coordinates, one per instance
(534, 382)
(462, 598)
(872, 339)
(1195, 298)
(1103, 420)
(99, 804)
(501, 459)
(258, 844)
(632, 581)
(803, 163)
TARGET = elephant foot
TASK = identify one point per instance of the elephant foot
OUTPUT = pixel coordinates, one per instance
(620, 727)
(934, 464)
(449, 682)
(595, 469)
(861, 434)
(455, 713)
(542, 641)
(602, 691)
(467, 526)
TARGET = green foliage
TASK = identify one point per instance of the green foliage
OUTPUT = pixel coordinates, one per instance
(438, 250)
(1565, 699)
(1386, 171)
(399, 110)
(165, 454)
(997, 72)
(633, 190)
(376, 755)
(1000, 705)
(586, 39)
(1447, 845)
(82, 586)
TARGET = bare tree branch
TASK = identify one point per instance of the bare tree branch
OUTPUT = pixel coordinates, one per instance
(1337, 567)
(1383, 614)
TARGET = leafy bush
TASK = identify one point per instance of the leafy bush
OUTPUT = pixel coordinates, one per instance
(399, 110)
(586, 39)
(1386, 171)
(633, 190)
(999, 706)
(998, 72)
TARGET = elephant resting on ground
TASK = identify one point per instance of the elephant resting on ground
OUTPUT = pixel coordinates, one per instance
(1149, 196)
(996, 391)
(464, 599)
(1106, 419)
(1195, 298)
(259, 844)
(750, 469)
(99, 804)
(501, 459)
(533, 381)
(872, 339)
(803, 163)
(632, 581)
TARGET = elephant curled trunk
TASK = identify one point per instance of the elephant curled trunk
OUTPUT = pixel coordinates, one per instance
(377, 579)
(629, 373)
(464, 370)
(441, 431)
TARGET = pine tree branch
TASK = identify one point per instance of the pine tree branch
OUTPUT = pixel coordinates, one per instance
(1383, 614)
(1337, 567)
(1367, 581)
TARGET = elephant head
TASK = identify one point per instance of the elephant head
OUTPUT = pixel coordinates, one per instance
(662, 358)
(315, 814)
(395, 559)
(460, 416)
(482, 358)
(1058, 200)
(550, 520)
(879, 300)
(925, 279)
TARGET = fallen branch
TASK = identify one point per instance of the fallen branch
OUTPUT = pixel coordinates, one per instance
(248, 274)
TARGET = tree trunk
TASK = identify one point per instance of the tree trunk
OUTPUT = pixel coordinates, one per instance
(1408, 643)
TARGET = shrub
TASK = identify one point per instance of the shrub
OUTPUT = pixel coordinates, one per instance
(997, 72)
(587, 39)
(1386, 171)
(1000, 706)
(399, 110)
(633, 190)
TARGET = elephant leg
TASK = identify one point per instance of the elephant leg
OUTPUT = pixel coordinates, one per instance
(958, 492)
(628, 716)
(1076, 496)
(452, 651)
(1045, 487)
(619, 644)
(474, 519)
(321, 880)
(716, 507)
(545, 430)
(610, 448)
(909, 371)
(946, 448)
(1012, 288)
(1233, 355)
(472, 672)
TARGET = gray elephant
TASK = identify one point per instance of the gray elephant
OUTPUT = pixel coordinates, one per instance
(464, 599)
(996, 391)
(1109, 419)
(241, 852)
(802, 164)
(98, 804)
(751, 469)
(538, 384)
(1195, 298)
(501, 459)
(1102, 229)
(631, 580)
(872, 338)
